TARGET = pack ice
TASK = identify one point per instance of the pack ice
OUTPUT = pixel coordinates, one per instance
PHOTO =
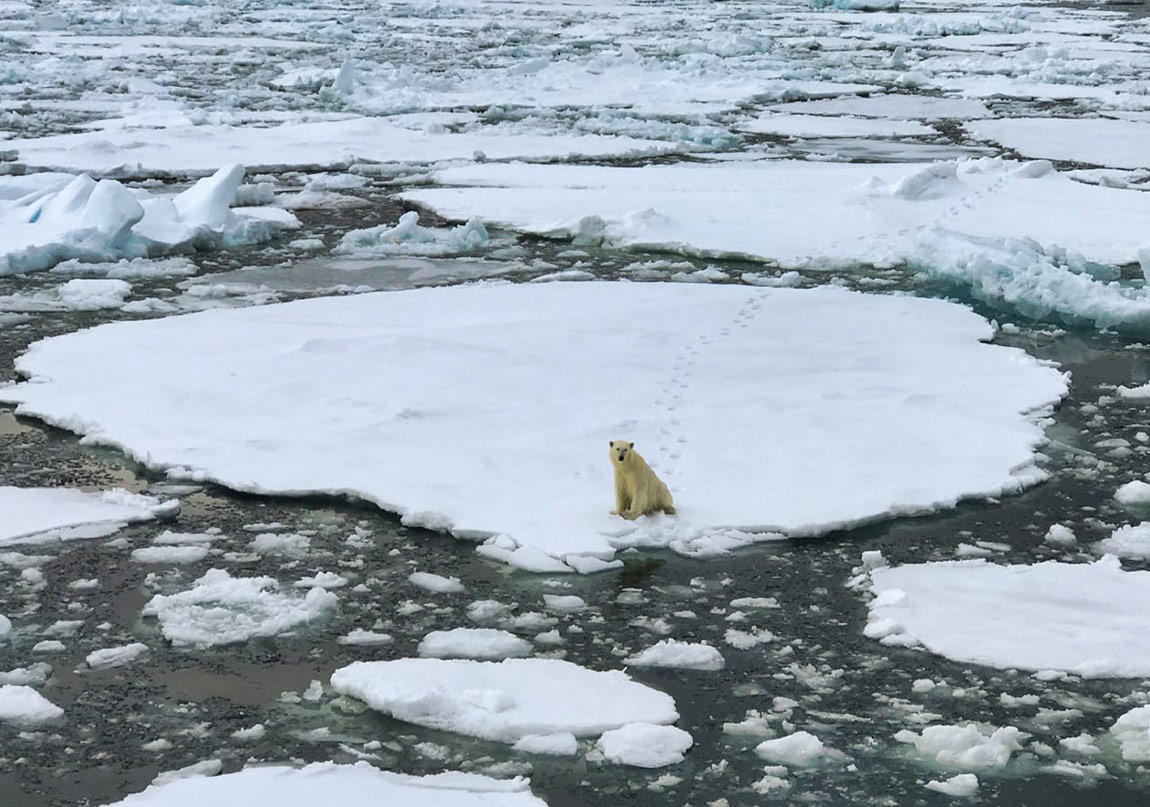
(486, 410)
(34, 515)
(1081, 618)
(51, 217)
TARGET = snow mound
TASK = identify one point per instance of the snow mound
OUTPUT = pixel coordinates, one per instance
(682, 655)
(221, 609)
(506, 700)
(645, 745)
(822, 408)
(48, 218)
(358, 785)
(969, 747)
(1078, 618)
(35, 515)
(23, 705)
(476, 643)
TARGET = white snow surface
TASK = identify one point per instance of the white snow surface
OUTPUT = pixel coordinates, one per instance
(645, 745)
(506, 700)
(358, 785)
(474, 643)
(820, 408)
(23, 705)
(48, 218)
(1016, 234)
(1081, 618)
(35, 515)
(221, 609)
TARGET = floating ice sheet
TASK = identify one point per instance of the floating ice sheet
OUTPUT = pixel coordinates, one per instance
(33, 515)
(506, 700)
(1081, 618)
(358, 785)
(486, 410)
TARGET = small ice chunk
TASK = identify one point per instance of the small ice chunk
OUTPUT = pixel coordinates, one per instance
(969, 747)
(435, 583)
(253, 733)
(1132, 731)
(563, 604)
(24, 705)
(963, 784)
(681, 655)
(359, 636)
(645, 745)
(1136, 493)
(116, 656)
(800, 749)
(560, 744)
(476, 643)
(170, 554)
(209, 767)
(1060, 535)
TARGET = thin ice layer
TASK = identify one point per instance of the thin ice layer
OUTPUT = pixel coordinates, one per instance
(487, 410)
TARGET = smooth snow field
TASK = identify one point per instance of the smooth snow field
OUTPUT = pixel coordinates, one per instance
(486, 410)
(315, 320)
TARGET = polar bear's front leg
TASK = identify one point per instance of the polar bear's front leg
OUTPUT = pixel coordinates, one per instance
(622, 500)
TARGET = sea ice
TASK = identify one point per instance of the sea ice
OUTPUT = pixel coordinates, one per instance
(559, 744)
(645, 745)
(358, 785)
(682, 655)
(1082, 618)
(1132, 731)
(474, 643)
(505, 700)
(963, 784)
(1136, 492)
(971, 747)
(34, 515)
(116, 656)
(221, 609)
(23, 705)
(436, 583)
(1130, 541)
(48, 218)
(800, 749)
(453, 382)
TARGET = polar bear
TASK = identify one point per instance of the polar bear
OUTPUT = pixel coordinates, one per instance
(638, 492)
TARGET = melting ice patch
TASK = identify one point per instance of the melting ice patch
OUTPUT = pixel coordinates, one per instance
(221, 609)
(1081, 618)
(48, 218)
(358, 785)
(34, 515)
(504, 701)
(486, 410)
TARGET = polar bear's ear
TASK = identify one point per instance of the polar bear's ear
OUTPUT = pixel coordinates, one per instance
(632, 445)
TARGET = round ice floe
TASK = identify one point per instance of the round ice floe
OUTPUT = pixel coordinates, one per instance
(476, 643)
(505, 700)
(643, 745)
(682, 655)
(358, 785)
(1135, 493)
(798, 417)
(22, 704)
(220, 609)
(1081, 618)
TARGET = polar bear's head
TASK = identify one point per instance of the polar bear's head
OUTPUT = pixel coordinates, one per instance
(621, 450)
